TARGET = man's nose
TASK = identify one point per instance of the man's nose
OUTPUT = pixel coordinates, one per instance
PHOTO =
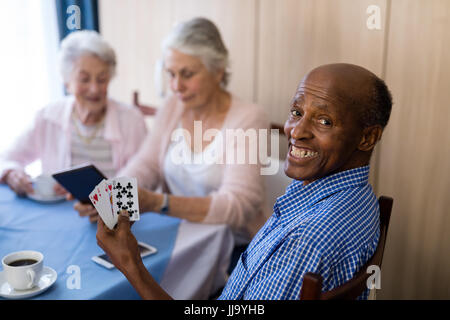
(302, 129)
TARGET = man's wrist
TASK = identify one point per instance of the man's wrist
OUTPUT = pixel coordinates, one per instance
(133, 271)
(145, 284)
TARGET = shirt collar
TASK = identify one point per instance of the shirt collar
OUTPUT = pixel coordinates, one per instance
(299, 197)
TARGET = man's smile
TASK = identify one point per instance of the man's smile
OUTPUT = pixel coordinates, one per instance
(302, 153)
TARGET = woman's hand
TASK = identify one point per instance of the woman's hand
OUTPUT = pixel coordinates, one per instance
(59, 190)
(149, 200)
(119, 244)
(84, 209)
(19, 182)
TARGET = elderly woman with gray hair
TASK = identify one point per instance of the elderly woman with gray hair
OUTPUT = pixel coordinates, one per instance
(84, 127)
(186, 154)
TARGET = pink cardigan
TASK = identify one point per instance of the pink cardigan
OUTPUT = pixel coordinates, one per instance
(48, 138)
(240, 200)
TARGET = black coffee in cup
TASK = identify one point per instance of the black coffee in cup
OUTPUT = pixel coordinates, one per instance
(22, 262)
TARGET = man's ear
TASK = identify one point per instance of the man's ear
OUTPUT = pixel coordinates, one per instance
(370, 137)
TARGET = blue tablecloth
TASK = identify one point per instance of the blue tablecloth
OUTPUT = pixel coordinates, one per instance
(66, 239)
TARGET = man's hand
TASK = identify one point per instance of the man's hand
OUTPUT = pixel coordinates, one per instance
(122, 248)
(19, 182)
(119, 244)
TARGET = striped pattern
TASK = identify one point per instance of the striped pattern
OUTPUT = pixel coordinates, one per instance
(330, 227)
(98, 151)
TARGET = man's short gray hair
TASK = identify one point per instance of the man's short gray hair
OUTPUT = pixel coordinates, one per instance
(79, 43)
(200, 37)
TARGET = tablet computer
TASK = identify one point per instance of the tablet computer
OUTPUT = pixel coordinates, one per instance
(80, 181)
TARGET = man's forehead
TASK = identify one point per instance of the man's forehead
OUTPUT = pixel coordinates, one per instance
(342, 83)
(321, 88)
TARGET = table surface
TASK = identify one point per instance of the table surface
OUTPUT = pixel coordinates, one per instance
(191, 261)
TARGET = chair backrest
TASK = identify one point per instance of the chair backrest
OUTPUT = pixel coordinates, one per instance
(312, 283)
(146, 110)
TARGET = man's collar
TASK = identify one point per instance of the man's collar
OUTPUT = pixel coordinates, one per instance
(299, 197)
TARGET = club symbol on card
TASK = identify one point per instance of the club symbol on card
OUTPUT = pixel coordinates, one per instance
(118, 187)
(129, 195)
(129, 186)
(130, 203)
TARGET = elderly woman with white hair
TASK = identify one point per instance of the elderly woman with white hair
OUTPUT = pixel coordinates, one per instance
(199, 179)
(86, 126)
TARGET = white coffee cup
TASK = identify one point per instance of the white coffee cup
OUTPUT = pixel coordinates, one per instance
(19, 274)
(44, 185)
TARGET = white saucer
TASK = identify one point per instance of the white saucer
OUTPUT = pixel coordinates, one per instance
(46, 199)
(48, 278)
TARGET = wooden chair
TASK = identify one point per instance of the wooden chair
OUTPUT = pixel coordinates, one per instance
(312, 283)
(146, 110)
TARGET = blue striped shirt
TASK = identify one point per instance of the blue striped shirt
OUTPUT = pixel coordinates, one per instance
(330, 227)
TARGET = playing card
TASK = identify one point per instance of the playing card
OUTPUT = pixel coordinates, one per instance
(125, 197)
(108, 186)
(101, 201)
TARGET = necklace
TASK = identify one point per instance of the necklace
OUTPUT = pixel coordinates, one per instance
(86, 139)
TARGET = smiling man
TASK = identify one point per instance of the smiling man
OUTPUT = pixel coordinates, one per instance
(336, 117)
(327, 222)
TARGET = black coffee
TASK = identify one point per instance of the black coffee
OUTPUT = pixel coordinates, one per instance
(22, 262)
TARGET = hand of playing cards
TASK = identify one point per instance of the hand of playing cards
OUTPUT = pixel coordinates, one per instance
(111, 196)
